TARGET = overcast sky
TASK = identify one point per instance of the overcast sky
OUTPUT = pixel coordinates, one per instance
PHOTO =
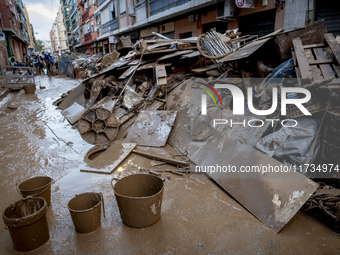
(42, 14)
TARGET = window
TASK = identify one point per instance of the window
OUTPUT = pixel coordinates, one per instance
(105, 15)
(112, 8)
(88, 24)
(122, 7)
(92, 26)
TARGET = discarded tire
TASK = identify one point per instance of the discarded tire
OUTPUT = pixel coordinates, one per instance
(139, 198)
(98, 126)
(85, 210)
(27, 223)
(39, 186)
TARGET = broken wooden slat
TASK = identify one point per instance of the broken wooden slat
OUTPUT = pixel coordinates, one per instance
(316, 45)
(203, 69)
(336, 69)
(163, 159)
(317, 75)
(325, 69)
(161, 75)
(333, 44)
(306, 72)
(320, 62)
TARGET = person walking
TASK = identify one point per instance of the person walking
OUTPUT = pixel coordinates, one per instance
(41, 64)
(12, 63)
(46, 60)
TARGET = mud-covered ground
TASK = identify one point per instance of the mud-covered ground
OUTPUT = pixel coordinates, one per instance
(197, 216)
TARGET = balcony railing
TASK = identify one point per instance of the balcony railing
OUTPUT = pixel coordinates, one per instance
(85, 16)
(23, 20)
(74, 7)
(74, 25)
(76, 42)
(25, 36)
(157, 6)
(111, 25)
(19, 5)
(88, 37)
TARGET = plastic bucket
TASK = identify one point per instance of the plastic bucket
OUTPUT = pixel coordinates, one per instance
(85, 211)
(39, 186)
(29, 89)
(27, 223)
(139, 198)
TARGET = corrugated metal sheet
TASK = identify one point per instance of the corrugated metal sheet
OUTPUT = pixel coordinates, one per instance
(330, 12)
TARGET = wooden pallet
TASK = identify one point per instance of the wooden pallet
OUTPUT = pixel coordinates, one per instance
(317, 62)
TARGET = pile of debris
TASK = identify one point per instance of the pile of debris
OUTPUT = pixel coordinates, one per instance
(146, 98)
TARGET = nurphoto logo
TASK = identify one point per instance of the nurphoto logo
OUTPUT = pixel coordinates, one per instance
(239, 104)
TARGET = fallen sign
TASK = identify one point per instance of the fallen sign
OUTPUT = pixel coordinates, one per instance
(152, 128)
(272, 197)
(109, 159)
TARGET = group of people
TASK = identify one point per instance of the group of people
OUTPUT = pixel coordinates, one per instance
(40, 61)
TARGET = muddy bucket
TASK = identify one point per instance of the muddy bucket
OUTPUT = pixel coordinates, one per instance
(139, 198)
(29, 89)
(39, 186)
(27, 223)
(85, 211)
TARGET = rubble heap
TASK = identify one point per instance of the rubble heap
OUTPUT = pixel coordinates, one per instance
(140, 96)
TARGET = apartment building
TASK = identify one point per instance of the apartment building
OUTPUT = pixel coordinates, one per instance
(54, 39)
(3, 51)
(14, 27)
(97, 24)
(61, 30)
(31, 46)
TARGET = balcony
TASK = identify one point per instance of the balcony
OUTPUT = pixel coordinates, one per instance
(23, 21)
(20, 6)
(76, 42)
(85, 16)
(74, 7)
(74, 25)
(24, 35)
(157, 6)
(88, 37)
(110, 26)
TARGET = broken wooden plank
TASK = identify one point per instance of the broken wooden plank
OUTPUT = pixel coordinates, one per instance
(320, 61)
(306, 72)
(325, 69)
(203, 69)
(161, 154)
(333, 44)
(316, 45)
(312, 34)
(161, 78)
(317, 75)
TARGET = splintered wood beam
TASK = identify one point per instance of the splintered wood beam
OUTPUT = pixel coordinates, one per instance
(334, 45)
(305, 70)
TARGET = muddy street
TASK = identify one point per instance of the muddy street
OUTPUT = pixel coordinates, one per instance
(197, 216)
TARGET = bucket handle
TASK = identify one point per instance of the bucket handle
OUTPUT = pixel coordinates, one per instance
(102, 198)
(114, 179)
(35, 195)
(17, 187)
